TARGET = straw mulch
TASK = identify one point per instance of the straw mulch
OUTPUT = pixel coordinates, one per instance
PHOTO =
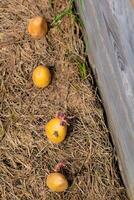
(26, 156)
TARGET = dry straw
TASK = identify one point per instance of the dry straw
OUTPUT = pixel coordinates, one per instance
(26, 156)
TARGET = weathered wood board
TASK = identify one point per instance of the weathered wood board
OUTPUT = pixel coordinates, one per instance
(109, 26)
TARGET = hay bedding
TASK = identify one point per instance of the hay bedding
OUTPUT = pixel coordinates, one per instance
(26, 156)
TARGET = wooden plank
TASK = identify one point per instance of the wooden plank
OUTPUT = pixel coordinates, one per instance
(109, 26)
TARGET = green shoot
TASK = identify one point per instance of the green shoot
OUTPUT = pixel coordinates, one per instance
(83, 70)
(58, 18)
(81, 3)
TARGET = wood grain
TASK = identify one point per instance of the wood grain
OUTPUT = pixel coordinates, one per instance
(109, 26)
